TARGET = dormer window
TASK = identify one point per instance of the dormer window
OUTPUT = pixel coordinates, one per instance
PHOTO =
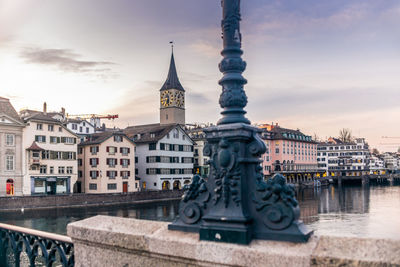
(39, 126)
(152, 135)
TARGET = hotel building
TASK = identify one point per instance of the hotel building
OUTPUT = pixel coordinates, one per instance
(289, 152)
(337, 158)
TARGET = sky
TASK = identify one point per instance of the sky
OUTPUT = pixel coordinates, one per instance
(314, 65)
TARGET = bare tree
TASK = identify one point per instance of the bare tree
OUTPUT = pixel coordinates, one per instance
(345, 135)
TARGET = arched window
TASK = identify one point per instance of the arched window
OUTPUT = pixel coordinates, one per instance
(177, 185)
(165, 185)
(10, 187)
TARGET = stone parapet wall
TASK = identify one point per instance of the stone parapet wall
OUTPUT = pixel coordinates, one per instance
(114, 241)
(34, 202)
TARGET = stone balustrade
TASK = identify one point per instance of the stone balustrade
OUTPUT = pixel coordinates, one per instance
(114, 241)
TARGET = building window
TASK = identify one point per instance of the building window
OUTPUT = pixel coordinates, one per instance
(125, 174)
(74, 126)
(124, 150)
(54, 140)
(125, 162)
(277, 150)
(94, 174)
(39, 126)
(40, 138)
(80, 129)
(117, 138)
(68, 140)
(111, 186)
(111, 162)
(43, 169)
(111, 150)
(176, 133)
(87, 129)
(152, 146)
(61, 170)
(92, 186)
(50, 128)
(152, 135)
(60, 129)
(51, 170)
(10, 139)
(9, 162)
(93, 162)
(111, 174)
(94, 150)
(69, 170)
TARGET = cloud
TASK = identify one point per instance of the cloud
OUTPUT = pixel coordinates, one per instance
(206, 48)
(198, 98)
(65, 60)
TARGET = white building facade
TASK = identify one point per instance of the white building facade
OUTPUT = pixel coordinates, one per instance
(343, 159)
(50, 156)
(82, 128)
(11, 129)
(164, 156)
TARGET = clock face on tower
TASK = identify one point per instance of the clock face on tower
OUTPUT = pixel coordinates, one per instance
(180, 99)
(166, 99)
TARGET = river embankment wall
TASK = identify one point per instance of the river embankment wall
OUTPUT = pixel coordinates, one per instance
(82, 200)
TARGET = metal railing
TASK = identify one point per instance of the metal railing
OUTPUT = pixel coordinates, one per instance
(21, 246)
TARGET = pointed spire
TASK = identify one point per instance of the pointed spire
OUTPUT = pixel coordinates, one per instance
(172, 81)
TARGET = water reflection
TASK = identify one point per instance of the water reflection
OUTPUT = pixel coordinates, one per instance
(372, 211)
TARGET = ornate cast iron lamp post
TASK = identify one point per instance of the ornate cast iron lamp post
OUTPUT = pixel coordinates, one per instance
(235, 204)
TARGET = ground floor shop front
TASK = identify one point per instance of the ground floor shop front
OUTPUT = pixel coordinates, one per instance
(50, 185)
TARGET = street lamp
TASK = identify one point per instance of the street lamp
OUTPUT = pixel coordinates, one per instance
(235, 204)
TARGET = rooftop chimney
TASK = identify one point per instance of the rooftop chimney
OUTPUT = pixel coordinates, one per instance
(63, 111)
(44, 107)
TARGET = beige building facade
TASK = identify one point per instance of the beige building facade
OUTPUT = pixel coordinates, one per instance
(106, 163)
(50, 156)
(11, 129)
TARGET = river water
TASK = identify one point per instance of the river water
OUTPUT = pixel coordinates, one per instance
(371, 211)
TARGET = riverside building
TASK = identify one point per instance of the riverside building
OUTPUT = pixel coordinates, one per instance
(289, 152)
(11, 130)
(337, 158)
(164, 155)
(49, 161)
(106, 164)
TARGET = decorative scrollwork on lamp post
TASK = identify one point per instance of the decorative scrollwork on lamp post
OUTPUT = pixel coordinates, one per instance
(235, 204)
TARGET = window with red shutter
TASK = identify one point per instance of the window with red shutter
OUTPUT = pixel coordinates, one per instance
(129, 162)
(129, 173)
(97, 161)
(108, 149)
(129, 150)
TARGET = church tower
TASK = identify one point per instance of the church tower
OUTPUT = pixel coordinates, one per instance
(172, 98)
